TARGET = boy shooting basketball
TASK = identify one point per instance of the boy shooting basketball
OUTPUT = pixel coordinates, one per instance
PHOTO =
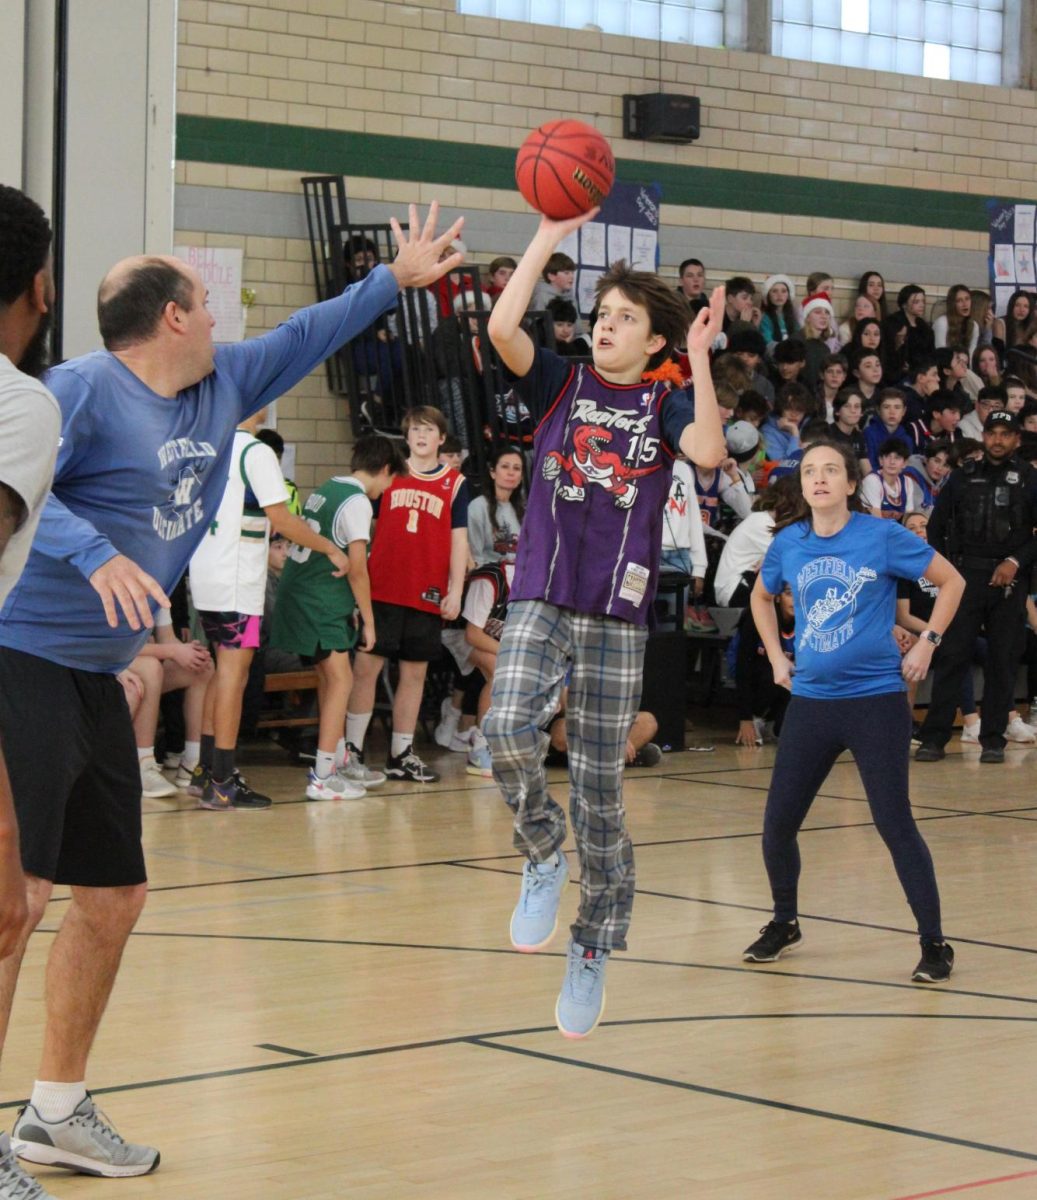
(584, 582)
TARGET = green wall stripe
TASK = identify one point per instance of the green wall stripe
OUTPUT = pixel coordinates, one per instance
(422, 160)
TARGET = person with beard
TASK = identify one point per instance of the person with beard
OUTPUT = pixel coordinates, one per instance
(147, 432)
(31, 424)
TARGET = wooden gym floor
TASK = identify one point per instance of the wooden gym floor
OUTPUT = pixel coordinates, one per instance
(320, 1002)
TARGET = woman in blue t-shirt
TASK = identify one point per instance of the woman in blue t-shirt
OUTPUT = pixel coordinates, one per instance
(848, 686)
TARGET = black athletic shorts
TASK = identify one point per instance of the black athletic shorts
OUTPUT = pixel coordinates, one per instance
(406, 633)
(72, 758)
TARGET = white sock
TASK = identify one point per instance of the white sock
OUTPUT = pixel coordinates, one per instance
(145, 752)
(401, 743)
(56, 1101)
(192, 753)
(325, 764)
(453, 715)
(341, 753)
(356, 728)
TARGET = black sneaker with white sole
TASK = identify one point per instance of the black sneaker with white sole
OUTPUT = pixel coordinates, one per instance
(408, 766)
(776, 938)
(936, 963)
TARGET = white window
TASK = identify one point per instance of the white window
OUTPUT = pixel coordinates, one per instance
(937, 39)
(695, 22)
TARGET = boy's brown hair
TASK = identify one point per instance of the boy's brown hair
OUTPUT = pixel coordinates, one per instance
(424, 414)
(557, 262)
(667, 310)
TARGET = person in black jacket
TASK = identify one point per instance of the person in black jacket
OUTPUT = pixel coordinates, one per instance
(984, 522)
(758, 699)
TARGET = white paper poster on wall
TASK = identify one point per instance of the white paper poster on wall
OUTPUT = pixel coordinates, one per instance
(220, 269)
(1013, 250)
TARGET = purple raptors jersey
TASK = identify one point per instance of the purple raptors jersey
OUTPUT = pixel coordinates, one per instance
(601, 477)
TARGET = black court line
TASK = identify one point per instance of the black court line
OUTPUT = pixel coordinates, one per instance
(755, 969)
(286, 1050)
(781, 1105)
(490, 1040)
(758, 908)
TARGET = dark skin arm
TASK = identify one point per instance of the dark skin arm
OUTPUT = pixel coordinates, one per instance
(12, 514)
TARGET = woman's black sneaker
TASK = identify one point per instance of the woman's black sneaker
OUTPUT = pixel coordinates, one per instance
(778, 937)
(936, 963)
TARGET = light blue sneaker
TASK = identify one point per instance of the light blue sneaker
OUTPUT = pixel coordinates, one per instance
(581, 1002)
(535, 919)
(479, 761)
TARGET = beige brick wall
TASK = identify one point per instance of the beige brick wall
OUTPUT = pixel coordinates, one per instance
(309, 415)
(418, 69)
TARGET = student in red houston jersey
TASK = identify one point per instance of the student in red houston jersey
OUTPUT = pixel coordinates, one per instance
(417, 568)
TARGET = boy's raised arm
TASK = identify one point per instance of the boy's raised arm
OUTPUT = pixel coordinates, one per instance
(510, 340)
(703, 440)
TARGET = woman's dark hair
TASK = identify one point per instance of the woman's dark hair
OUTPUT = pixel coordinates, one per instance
(1015, 330)
(854, 345)
(862, 290)
(799, 510)
(975, 359)
(959, 331)
(779, 496)
(787, 313)
(490, 492)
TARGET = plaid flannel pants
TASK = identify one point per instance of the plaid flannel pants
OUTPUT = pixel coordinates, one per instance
(539, 644)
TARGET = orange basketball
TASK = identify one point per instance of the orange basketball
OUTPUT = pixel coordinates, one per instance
(564, 168)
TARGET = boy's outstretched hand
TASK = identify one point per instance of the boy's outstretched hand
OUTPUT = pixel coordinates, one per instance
(708, 323)
(557, 230)
(417, 262)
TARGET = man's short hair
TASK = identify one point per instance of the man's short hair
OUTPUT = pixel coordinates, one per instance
(558, 262)
(861, 353)
(751, 401)
(796, 396)
(24, 243)
(936, 446)
(273, 439)
(791, 350)
(1008, 381)
(667, 311)
(505, 260)
(690, 262)
(562, 310)
(993, 391)
(893, 445)
(423, 414)
(834, 360)
(739, 283)
(944, 399)
(890, 393)
(374, 451)
(920, 366)
(130, 313)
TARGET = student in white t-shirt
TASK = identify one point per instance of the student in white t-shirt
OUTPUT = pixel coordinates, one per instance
(228, 588)
(749, 541)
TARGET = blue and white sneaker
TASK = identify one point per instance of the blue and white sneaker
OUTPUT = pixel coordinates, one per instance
(535, 919)
(581, 1002)
(479, 761)
(332, 787)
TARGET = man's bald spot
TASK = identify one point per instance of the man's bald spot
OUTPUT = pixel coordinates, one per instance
(126, 268)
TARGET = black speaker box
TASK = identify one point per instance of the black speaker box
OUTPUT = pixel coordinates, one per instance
(665, 686)
(660, 117)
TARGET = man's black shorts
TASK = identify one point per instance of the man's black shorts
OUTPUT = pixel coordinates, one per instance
(406, 633)
(72, 758)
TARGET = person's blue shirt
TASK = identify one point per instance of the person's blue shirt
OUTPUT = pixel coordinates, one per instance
(875, 433)
(142, 475)
(777, 443)
(845, 592)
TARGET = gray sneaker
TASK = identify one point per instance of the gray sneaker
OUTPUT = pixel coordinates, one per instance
(356, 771)
(84, 1142)
(16, 1184)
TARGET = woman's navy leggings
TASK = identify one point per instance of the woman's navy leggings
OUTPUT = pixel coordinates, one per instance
(877, 732)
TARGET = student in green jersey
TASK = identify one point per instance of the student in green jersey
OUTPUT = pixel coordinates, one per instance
(315, 614)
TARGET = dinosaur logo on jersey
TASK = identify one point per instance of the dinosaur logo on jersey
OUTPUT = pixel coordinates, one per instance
(828, 589)
(593, 462)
